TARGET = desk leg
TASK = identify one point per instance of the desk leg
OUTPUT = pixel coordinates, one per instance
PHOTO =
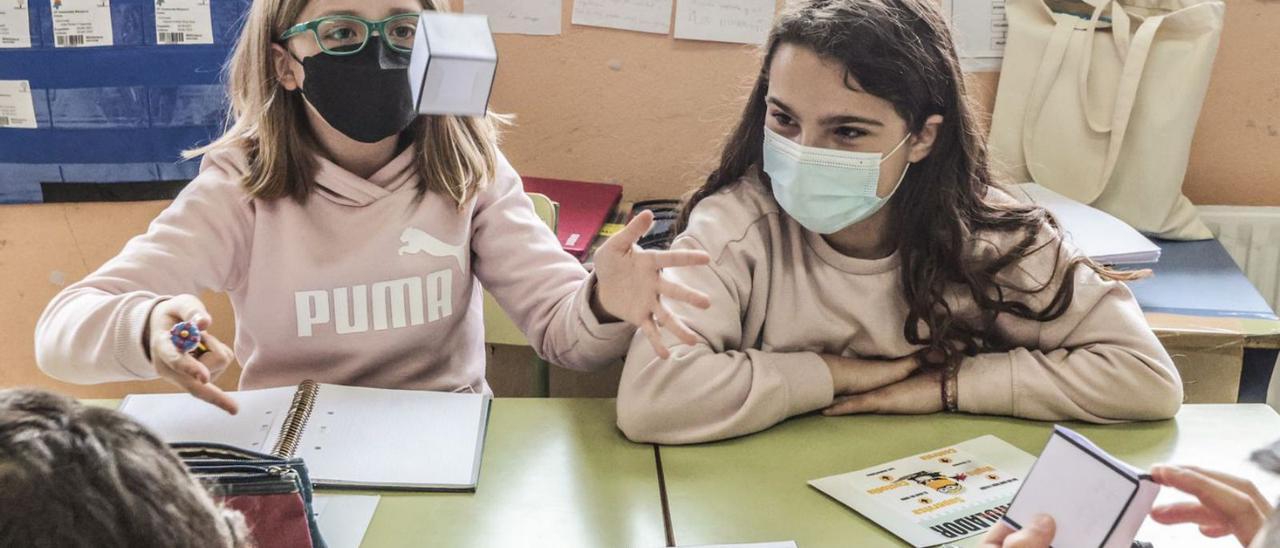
(1259, 363)
(662, 494)
(542, 378)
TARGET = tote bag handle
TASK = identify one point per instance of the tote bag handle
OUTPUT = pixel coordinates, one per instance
(1136, 52)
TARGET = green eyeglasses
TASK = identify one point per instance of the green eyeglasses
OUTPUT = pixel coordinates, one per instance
(348, 34)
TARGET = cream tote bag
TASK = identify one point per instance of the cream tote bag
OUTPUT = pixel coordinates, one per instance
(1101, 105)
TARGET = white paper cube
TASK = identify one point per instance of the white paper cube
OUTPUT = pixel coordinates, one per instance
(453, 64)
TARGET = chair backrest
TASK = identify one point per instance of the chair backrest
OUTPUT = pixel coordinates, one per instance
(498, 328)
(547, 210)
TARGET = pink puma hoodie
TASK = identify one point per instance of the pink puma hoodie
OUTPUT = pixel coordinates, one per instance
(359, 286)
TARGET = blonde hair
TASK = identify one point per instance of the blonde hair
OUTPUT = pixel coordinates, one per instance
(456, 155)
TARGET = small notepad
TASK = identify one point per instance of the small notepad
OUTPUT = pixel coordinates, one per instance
(350, 437)
(1095, 500)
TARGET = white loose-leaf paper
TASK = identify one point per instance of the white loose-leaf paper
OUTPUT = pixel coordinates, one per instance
(344, 519)
(181, 22)
(17, 108)
(15, 24)
(735, 21)
(81, 23)
(980, 30)
(638, 15)
(536, 17)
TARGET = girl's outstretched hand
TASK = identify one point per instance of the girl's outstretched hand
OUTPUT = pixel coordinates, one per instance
(630, 286)
(194, 374)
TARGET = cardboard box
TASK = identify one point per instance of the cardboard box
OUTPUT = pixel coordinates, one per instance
(1210, 364)
(1209, 351)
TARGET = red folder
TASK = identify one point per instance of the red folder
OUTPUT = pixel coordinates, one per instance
(584, 209)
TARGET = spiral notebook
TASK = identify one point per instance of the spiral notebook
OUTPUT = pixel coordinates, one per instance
(351, 437)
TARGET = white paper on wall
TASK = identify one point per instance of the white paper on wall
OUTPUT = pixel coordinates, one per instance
(538, 17)
(638, 15)
(737, 21)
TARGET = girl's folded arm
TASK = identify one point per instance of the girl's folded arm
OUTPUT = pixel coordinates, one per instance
(719, 387)
(1098, 362)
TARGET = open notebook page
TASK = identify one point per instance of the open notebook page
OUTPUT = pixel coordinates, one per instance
(394, 438)
(182, 417)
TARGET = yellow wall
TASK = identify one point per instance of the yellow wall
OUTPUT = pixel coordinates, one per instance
(648, 112)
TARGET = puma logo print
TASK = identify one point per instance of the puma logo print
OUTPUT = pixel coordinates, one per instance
(390, 304)
(416, 241)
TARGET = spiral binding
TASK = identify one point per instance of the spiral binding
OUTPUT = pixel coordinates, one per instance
(304, 399)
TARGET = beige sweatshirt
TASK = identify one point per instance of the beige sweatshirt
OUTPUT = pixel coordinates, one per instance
(781, 296)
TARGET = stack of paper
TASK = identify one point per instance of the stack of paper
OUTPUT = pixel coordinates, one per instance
(1100, 236)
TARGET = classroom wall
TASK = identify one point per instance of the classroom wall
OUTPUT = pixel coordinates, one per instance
(645, 111)
(648, 111)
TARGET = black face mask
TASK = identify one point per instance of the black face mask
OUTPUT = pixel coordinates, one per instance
(366, 96)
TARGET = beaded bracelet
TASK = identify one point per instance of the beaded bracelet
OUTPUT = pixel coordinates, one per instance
(950, 389)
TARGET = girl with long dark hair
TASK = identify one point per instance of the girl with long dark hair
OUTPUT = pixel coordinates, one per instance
(864, 261)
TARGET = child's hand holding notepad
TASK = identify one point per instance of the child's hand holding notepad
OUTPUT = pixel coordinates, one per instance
(1094, 499)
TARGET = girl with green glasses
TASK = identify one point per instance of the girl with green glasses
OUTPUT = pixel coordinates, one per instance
(348, 34)
(352, 234)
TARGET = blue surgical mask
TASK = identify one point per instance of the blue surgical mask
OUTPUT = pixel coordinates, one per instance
(825, 190)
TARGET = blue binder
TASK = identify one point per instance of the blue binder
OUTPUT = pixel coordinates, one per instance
(1199, 279)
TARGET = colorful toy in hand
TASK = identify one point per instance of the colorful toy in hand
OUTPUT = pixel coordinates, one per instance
(186, 336)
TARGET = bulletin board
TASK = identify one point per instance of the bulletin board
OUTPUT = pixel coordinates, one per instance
(122, 112)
